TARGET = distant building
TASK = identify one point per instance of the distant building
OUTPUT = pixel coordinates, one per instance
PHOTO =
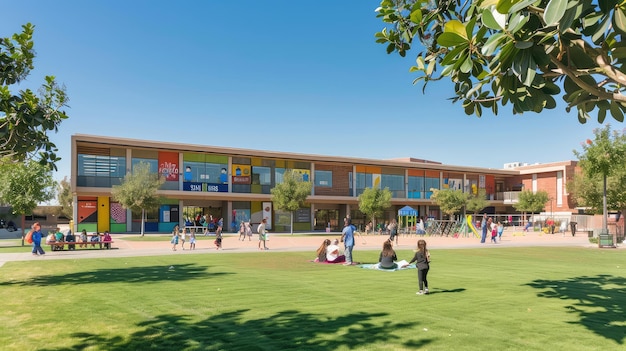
(514, 165)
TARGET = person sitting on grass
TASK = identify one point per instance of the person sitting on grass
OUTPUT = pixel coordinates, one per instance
(387, 257)
(321, 251)
(332, 253)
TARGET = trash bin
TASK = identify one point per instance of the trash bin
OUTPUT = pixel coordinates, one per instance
(572, 226)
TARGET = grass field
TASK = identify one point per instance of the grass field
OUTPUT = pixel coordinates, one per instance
(481, 299)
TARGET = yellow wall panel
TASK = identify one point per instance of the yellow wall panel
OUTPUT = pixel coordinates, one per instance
(104, 214)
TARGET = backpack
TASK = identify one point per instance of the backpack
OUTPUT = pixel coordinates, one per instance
(29, 237)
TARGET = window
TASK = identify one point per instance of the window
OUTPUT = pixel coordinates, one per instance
(394, 182)
(324, 178)
(261, 175)
(100, 170)
(154, 164)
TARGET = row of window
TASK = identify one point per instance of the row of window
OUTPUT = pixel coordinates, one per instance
(107, 171)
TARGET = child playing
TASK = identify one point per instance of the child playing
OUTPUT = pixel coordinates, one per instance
(500, 230)
(174, 240)
(192, 240)
(218, 239)
(494, 232)
(422, 263)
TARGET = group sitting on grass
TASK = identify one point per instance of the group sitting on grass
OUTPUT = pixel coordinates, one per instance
(329, 252)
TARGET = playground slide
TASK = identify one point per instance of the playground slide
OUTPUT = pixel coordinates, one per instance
(470, 224)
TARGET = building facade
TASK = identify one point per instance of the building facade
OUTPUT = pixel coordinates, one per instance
(234, 184)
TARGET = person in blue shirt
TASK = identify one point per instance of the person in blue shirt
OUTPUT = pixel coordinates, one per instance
(37, 235)
(347, 237)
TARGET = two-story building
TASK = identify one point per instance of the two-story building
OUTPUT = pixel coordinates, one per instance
(234, 184)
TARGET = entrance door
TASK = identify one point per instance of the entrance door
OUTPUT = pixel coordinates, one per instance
(325, 219)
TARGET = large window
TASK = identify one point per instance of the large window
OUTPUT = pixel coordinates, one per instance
(394, 182)
(431, 183)
(416, 187)
(261, 175)
(100, 170)
(324, 179)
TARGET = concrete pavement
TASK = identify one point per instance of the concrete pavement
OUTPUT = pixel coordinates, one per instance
(310, 242)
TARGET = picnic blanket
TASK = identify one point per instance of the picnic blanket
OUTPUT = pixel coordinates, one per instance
(402, 265)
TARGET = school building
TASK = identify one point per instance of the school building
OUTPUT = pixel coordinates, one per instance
(234, 184)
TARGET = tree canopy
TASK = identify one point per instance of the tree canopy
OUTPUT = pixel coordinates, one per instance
(450, 201)
(532, 202)
(65, 198)
(25, 117)
(290, 194)
(374, 201)
(138, 190)
(604, 155)
(519, 52)
(477, 202)
(24, 185)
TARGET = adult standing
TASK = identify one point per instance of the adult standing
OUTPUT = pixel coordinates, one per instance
(483, 227)
(347, 237)
(37, 235)
(262, 232)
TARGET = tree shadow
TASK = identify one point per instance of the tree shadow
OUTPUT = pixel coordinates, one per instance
(179, 272)
(231, 331)
(599, 301)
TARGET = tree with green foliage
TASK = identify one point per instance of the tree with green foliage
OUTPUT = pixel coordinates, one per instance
(518, 52)
(25, 118)
(528, 201)
(290, 194)
(373, 202)
(602, 184)
(65, 198)
(138, 191)
(24, 185)
(477, 202)
(450, 201)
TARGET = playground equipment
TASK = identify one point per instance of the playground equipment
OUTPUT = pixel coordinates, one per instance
(471, 226)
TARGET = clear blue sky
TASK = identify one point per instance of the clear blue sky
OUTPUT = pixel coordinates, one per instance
(296, 76)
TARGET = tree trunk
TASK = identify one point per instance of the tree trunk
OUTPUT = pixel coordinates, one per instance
(291, 226)
(143, 216)
(22, 226)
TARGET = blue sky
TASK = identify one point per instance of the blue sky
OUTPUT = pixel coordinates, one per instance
(295, 76)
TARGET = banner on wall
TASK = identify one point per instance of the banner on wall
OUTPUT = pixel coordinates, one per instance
(305, 173)
(241, 174)
(376, 181)
(88, 211)
(168, 165)
(267, 214)
(118, 213)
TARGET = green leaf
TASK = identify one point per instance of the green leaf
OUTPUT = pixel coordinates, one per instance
(503, 6)
(466, 67)
(555, 9)
(619, 20)
(491, 45)
(523, 44)
(600, 30)
(455, 26)
(616, 112)
(493, 19)
(449, 39)
(416, 16)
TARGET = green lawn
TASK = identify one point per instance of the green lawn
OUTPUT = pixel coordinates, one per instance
(481, 299)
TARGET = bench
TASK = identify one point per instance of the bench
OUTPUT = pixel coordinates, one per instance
(60, 245)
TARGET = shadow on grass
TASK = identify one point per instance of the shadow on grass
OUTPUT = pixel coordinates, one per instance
(231, 331)
(179, 272)
(443, 291)
(599, 301)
